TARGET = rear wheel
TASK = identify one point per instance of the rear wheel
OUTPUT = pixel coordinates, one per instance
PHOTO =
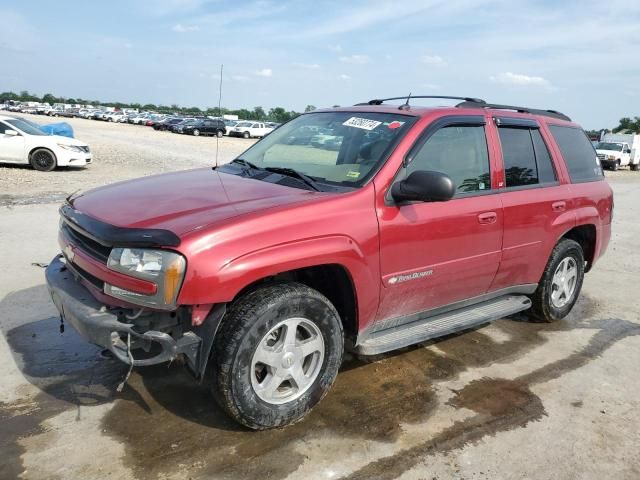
(196, 132)
(615, 165)
(634, 166)
(561, 282)
(277, 353)
(219, 133)
(246, 135)
(43, 160)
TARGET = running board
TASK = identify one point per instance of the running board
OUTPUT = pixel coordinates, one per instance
(443, 324)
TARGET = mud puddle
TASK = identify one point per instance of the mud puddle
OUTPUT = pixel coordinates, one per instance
(11, 201)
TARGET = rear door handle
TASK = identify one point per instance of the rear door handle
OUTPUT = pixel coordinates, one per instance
(487, 218)
(559, 206)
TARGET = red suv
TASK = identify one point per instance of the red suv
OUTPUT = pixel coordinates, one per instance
(366, 228)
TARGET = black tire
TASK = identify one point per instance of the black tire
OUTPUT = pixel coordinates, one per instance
(246, 135)
(543, 307)
(634, 167)
(615, 165)
(243, 330)
(219, 133)
(43, 160)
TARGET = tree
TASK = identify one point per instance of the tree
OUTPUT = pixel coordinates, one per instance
(259, 113)
(627, 124)
(309, 108)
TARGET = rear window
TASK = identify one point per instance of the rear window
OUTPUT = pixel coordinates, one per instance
(578, 153)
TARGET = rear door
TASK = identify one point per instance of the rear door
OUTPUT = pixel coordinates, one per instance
(437, 253)
(535, 198)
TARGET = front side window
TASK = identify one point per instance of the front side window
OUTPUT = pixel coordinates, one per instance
(526, 157)
(337, 148)
(460, 151)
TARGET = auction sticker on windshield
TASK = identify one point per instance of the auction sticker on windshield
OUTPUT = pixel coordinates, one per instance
(363, 123)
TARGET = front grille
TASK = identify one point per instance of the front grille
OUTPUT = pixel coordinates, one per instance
(86, 244)
(95, 281)
(601, 156)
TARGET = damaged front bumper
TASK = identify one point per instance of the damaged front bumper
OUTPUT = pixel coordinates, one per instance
(101, 326)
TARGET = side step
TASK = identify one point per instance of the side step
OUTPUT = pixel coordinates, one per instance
(443, 324)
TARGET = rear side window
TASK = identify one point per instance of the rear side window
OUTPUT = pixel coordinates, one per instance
(526, 157)
(578, 153)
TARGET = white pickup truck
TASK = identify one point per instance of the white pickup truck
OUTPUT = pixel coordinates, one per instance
(618, 150)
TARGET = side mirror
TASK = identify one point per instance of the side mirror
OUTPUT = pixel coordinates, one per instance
(424, 186)
(11, 133)
(628, 150)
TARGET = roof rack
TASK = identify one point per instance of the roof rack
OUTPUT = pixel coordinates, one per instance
(379, 101)
(482, 104)
(470, 102)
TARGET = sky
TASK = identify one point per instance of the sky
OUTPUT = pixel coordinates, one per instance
(578, 57)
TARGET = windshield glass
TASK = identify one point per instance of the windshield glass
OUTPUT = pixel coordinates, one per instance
(243, 124)
(609, 146)
(25, 127)
(342, 148)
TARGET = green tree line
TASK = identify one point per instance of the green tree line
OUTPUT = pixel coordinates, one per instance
(276, 114)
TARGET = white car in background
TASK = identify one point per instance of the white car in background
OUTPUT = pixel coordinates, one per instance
(21, 142)
(250, 129)
(115, 116)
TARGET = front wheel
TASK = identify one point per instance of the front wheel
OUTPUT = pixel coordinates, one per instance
(43, 160)
(561, 282)
(245, 135)
(277, 353)
(196, 133)
(219, 133)
(634, 166)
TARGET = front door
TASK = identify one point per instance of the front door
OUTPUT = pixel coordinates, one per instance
(11, 146)
(437, 253)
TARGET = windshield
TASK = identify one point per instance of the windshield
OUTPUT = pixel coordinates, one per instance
(343, 148)
(25, 127)
(609, 146)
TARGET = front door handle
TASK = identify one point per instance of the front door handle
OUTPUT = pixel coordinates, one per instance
(559, 206)
(487, 218)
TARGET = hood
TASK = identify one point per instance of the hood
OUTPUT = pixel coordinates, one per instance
(183, 201)
(601, 150)
(66, 140)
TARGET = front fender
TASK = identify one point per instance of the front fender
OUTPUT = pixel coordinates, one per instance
(221, 285)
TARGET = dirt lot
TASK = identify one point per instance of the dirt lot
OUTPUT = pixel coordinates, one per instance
(120, 152)
(514, 399)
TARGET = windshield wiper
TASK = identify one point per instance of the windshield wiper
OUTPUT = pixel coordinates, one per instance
(290, 172)
(242, 161)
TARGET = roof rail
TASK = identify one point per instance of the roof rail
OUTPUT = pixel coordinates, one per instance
(379, 101)
(482, 104)
(470, 102)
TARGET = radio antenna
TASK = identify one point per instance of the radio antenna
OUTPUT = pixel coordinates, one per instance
(219, 112)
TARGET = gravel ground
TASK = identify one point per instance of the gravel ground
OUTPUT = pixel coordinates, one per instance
(120, 152)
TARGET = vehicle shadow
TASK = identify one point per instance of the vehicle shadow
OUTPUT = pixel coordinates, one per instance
(166, 418)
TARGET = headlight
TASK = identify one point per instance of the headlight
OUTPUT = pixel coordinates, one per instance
(73, 148)
(164, 268)
(611, 157)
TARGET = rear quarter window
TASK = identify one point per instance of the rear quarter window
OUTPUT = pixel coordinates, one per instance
(578, 153)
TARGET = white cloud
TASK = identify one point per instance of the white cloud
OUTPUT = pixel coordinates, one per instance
(309, 66)
(265, 72)
(433, 60)
(344, 76)
(509, 78)
(180, 28)
(355, 59)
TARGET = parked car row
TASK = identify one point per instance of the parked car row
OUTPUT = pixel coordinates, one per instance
(175, 123)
